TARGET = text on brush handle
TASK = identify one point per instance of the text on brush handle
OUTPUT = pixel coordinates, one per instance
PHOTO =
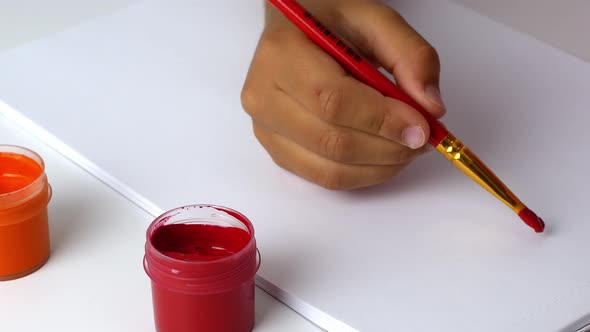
(335, 39)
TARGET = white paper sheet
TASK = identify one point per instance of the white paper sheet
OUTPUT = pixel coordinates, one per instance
(151, 95)
(94, 280)
(562, 24)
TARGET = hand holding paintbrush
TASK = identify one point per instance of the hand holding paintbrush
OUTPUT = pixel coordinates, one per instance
(323, 124)
(351, 118)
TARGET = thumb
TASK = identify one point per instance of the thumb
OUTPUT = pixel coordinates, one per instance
(383, 34)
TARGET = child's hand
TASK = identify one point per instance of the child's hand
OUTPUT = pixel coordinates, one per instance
(322, 124)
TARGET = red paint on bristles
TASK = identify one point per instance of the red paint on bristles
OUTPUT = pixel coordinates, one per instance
(531, 219)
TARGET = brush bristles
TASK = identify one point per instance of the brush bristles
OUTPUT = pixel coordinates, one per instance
(531, 219)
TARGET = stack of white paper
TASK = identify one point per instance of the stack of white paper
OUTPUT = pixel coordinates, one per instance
(151, 95)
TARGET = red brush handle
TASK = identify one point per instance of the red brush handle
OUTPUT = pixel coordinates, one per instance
(353, 62)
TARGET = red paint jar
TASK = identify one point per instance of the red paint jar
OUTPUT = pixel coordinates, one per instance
(202, 260)
(24, 196)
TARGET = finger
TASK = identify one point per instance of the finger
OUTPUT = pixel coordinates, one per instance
(322, 87)
(285, 116)
(326, 173)
(384, 34)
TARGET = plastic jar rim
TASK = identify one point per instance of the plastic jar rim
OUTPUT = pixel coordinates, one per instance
(42, 178)
(192, 276)
(161, 218)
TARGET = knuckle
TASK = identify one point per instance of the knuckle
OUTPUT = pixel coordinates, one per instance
(335, 145)
(389, 14)
(329, 102)
(377, 121)
(384, 14)
(269, 44)
(428, 52)
(392, 172)
(331, 179)
(378, 10)
(279, 162)
(260, 136)
(257, 132)
(250, 99)
(404, 156)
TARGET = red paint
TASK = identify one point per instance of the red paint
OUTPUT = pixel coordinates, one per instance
(353, 62)
(531, 219)
(202, 270)
(198, 242)
(17, 171)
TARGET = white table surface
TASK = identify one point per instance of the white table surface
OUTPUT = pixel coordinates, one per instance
(94, 280)
(562, 24)
(283, 328)
(26, 20)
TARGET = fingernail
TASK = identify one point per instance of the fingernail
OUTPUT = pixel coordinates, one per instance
(433, 94)
(413, 137)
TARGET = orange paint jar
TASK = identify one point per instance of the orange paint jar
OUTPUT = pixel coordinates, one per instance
(24, 195)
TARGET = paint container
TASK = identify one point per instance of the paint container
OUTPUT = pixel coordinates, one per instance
(24, 196)
(201, 280)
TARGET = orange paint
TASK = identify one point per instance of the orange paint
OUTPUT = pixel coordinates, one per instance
(17, 171)
(24, 195)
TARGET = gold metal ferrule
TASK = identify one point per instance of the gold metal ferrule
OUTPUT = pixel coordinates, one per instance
(465, 160)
